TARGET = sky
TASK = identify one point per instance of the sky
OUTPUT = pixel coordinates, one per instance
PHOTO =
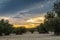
(18, 11)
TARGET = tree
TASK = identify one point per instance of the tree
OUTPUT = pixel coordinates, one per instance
(42, 29)
(52, 21)
(1, 27)
(57, 8)
(20, 30)
(57, 20)
(57, 26)
(5, 27)
(49, 21)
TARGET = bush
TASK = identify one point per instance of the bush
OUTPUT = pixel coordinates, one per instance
(31, 30)
(20, 30)
(5, 27)
(41, 29)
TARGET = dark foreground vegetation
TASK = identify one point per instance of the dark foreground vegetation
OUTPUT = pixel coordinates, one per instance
(5, 27)
(51, 23)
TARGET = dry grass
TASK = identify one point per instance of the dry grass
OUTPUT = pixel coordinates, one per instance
(29, 36)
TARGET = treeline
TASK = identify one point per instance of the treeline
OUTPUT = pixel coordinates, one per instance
(6, 29)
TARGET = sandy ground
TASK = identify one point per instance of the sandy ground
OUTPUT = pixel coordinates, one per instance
(29, 36)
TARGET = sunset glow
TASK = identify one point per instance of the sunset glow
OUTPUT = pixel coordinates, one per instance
(28, 13)
(31, 23)
(36, 20)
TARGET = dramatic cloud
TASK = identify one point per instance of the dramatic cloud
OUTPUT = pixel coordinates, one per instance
(22, 10)
(36, 9)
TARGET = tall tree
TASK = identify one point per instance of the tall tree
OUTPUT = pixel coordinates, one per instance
(57, 20)
(57, 8)
(49, 21)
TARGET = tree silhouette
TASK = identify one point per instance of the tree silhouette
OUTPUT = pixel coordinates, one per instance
(49, 21)
(57, 8)
(41, 29)
(20, 30)
(5, 27)
(57, 20)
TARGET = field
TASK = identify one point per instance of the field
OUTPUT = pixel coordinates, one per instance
(29, 36)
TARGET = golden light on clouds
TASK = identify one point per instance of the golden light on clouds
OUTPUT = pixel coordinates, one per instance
(36, 20)
(30, 23)
(31, 20)
(26, 26)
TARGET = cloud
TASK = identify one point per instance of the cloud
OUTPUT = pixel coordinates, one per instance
(17, 11)
(35, 9)
(3, 3)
